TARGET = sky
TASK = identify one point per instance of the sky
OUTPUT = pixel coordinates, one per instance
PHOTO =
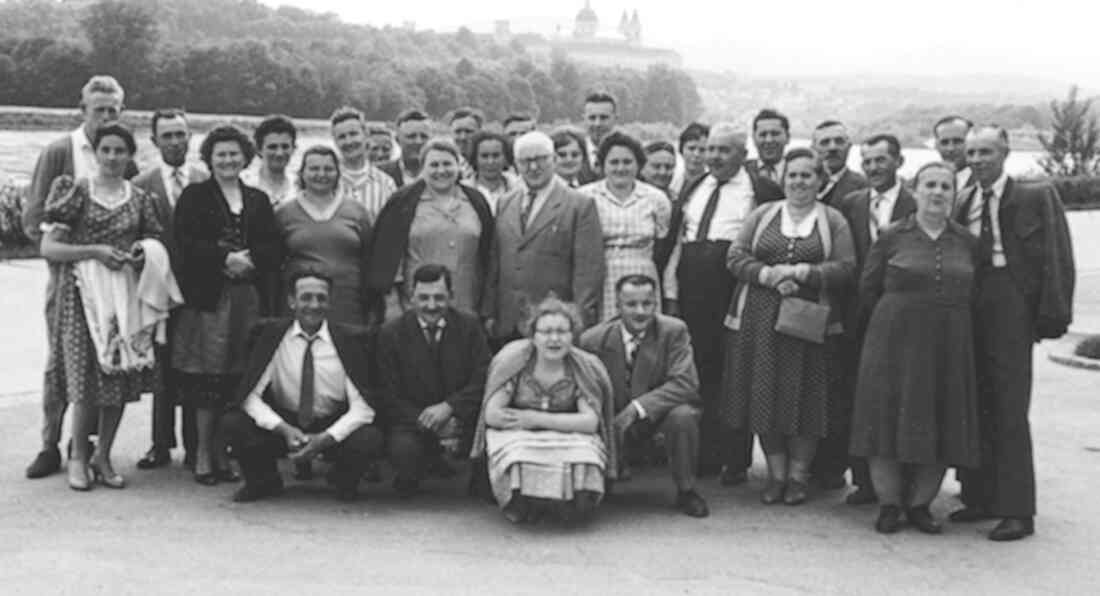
(1055, 40)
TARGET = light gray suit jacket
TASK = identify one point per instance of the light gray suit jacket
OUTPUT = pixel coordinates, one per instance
(561, 251)
(152, 183)
(664, 374)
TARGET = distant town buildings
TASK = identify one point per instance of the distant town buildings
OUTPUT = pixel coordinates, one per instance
(620, 47)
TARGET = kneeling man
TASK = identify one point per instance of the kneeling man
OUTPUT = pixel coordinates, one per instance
(432, 363)
(652, 369)
(304, 394)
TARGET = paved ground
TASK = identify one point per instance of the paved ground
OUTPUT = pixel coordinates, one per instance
(165, 534)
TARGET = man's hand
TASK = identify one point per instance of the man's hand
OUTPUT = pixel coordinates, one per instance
(434, 417)
(787, 287)
(295, 439)
(315, 445)
(625, 419)
(489, 323)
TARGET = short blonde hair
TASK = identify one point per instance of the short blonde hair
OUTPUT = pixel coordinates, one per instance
(552, 305)
(101, 84)
(440, 144)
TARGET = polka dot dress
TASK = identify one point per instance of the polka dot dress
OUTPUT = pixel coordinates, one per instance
(775, 384)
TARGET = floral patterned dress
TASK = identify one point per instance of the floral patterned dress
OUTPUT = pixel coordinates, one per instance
(89, 219)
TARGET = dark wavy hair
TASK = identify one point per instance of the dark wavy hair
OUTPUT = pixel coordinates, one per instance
(620, 139)
(487, 135)
(115, 129)
(222, 134)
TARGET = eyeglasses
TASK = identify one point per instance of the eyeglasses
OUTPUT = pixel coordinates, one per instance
(554, 332)
(527, 162)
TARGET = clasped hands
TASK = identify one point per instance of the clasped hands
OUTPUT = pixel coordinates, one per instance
(238, 264)
(516, 419)
(786, 279)
(302, 446)
(115, 258)
(434, 418)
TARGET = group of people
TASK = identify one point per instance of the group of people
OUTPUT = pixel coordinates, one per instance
(557, 307)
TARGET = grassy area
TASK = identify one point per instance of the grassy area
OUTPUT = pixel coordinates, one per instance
(26, 251)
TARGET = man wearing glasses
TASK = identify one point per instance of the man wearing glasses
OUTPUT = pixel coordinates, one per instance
(548, 239)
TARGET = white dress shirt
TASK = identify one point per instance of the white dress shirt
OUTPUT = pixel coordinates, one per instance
(84, 163)
(541, 195)
(633, 342)
(961, 177)
(437, 332)
(881, 208)
(166, 172)
(332, 387)
(734, 203)
(792, 229)
(974, 217)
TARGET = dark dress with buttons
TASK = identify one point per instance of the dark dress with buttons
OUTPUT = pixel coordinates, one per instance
(916, 394)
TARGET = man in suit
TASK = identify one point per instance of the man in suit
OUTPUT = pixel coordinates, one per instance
(771, 131)
(868, 211)
(432, 364)
(304, 393)
(832, 143)
(601, 115)
(548, 239)
(172, 137)
(101, 102)
(413, 130)
(652, 369)
(698, 287)
(950, 134)
(1024, 284)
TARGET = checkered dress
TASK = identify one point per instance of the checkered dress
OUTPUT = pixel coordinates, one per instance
(630, 229)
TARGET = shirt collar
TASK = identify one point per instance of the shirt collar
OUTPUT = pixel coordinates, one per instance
(80, 139)
(739, 178)
(999, 185)
(322, 333)
(834, 178)
(891, 194)
(424, 324)
(166, 170)
(628, 336)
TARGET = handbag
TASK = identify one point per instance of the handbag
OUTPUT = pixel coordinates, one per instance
(802, 319)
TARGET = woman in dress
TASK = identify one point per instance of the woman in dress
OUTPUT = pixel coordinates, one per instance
(634, 215)
(916, 399)
(228, 264)
(572, 162)
(546, 423)
(98, 219)
(322, 230)
(491, 158)
(434, 220)
(775, 383)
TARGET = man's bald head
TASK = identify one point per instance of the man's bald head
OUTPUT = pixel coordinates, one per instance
(726, 150)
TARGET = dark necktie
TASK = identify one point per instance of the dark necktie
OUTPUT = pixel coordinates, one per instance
(525, 213)
(631, 351)
(305, 394)
(708, 212)
(431, 334)
(985, 240)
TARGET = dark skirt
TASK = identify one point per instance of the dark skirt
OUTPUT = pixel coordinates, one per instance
(209, 349)
(916, 393)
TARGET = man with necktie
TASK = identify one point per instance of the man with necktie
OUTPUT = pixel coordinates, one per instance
(868, 212)
(832, 143)
(698, 286)
(304, 393)
(548, 239)
(649, 359)
(1024, 286)
(950, 135)
(172, 136)
(432, 363)
(771, 131)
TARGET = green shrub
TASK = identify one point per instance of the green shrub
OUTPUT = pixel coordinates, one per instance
(1089, 348)
(1079, 192)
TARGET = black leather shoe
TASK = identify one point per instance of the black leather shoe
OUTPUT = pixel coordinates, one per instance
(154, 458)
(373, 473)
(970, 515)
(691, 503)
(227, 475)
(773, 492)
(862, 495)
(207, 479)
(797, 492)
(405, 487)
(889, 519)
(731, 477)
(831, 482)
(922, 519)
(45, 463)
(254, 492)
(1013, 528)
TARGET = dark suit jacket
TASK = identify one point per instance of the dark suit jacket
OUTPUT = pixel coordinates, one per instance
(561, 251)
(1037, 248)
(412, 377)
(56, 159)
(264, 340)
(764, 191)
(393, 168)
(201, 216)
(850, 182)
(664, 374)
(152, 183)
(856, 207)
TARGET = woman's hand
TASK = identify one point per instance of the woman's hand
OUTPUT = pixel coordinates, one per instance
(112, 257)
(802, 272)
(787, 287)
(238, 264)
(772, 275)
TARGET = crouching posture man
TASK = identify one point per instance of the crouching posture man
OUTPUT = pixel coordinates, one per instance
(304, 394)
(652, 369)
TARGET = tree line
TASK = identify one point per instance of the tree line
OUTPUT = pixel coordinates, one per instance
(240, 56)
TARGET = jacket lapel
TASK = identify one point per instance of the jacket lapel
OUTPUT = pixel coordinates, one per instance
(546, 215)
(615, 359)
(903, 206)
(645, 362)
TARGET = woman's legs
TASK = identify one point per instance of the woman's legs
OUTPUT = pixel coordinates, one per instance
(775, 453)
(84, 415)
(109, 419)
(926, 481)
(886, 477)
(802, 450)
